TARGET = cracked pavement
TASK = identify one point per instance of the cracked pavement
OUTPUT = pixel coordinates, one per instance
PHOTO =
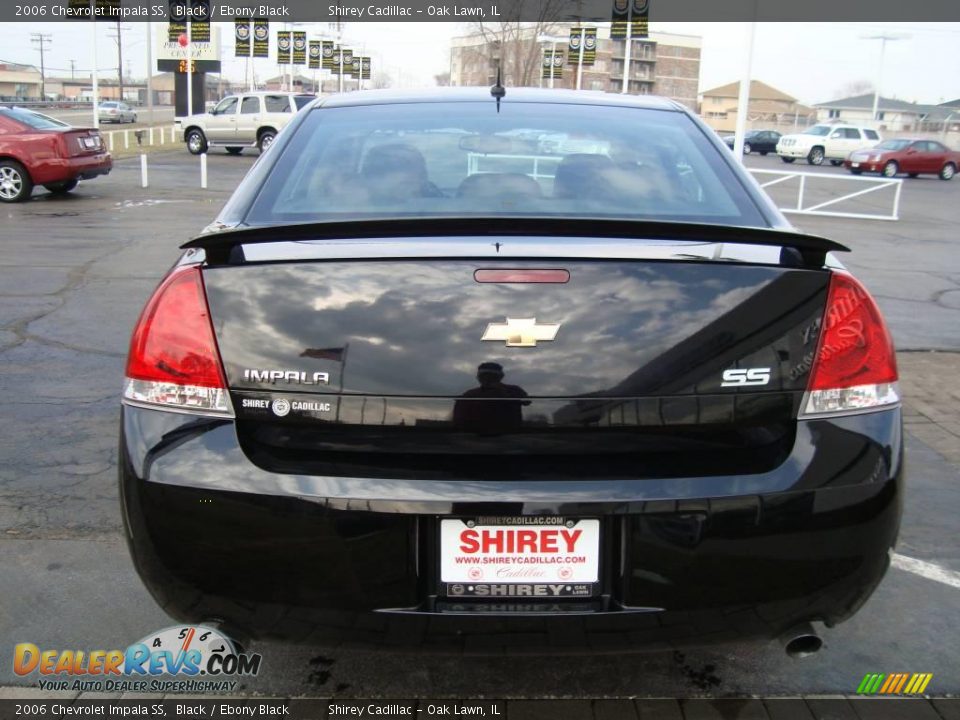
(74, 274)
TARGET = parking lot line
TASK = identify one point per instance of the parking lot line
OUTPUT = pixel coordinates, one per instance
(925, 569)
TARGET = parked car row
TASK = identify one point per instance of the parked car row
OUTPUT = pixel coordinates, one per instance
(859, 149)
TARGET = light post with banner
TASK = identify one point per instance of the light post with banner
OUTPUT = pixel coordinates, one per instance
(629, 21)
(556, 68)
(583, 44)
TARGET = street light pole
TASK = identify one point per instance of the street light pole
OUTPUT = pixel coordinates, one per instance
(883, 38)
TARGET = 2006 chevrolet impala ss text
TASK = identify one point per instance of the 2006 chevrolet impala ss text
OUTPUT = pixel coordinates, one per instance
(456, 363)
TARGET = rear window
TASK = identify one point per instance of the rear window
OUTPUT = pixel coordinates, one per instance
(302, 100)
(532, 159)
(871, 134)
(277, 103)
(35, 120)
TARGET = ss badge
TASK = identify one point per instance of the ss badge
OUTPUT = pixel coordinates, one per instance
(745, 377)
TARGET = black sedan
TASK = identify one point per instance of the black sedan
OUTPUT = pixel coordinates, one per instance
(484, 371)
(756, 141)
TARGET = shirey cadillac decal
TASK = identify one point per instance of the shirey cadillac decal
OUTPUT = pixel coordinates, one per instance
(504, 559)
(180, 658)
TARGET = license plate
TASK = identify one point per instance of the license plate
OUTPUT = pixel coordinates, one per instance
(90, 142)
(520, 557)
(854, 164)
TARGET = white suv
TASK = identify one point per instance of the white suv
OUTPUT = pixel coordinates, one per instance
(826, 142)
(238, 121)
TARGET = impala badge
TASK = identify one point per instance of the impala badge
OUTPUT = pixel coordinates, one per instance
(521, 332)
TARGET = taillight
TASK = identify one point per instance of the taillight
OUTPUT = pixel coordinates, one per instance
(173, 360)
(855, 367)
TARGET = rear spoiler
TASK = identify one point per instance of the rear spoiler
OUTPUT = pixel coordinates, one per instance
(223, 247)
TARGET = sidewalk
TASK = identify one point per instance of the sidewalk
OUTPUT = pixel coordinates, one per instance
(931, 399)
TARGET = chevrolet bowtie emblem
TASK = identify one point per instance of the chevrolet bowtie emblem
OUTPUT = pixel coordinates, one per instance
(521, 332)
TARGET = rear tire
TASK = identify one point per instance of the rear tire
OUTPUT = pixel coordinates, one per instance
(763, 153)
(856, 171)
(948, 171)
(234, 150)
(265, 139)
(890, 169)
(787, 160)
(15, 182)
(61, 188)
(196, 142)
(913, 175)
(836, 163)
(816, 156)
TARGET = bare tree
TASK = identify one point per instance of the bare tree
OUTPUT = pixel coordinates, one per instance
(513, 43)
(854, 88)
(381, 80)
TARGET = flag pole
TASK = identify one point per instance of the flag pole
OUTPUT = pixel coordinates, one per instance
(343, 358)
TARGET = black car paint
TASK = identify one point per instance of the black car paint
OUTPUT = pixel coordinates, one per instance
(723, 516)
(756, 142)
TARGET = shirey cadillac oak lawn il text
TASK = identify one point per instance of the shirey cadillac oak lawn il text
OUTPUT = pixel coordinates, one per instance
(473, 370)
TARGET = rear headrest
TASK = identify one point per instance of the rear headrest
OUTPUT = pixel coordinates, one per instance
(582, 174)
(394, 157)
(487, 185)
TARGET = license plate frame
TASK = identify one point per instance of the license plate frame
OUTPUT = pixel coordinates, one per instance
(506, 572)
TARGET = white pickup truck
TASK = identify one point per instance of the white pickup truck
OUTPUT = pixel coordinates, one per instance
(826, 142)
(249, 120)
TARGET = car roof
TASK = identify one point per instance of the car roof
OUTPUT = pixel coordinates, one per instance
(482, 94)
(269, 92)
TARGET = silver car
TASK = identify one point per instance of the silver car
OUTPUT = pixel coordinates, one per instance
(116, 112)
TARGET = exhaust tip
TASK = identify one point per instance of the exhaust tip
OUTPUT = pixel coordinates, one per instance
(801, 641)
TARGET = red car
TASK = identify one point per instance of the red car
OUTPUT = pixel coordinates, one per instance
(38, 150)
(905, 155)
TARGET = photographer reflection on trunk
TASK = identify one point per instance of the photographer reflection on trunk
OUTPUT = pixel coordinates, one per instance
(493, 407)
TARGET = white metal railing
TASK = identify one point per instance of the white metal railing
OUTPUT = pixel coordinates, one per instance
(818, 209)
(474, 162)
(156, 135)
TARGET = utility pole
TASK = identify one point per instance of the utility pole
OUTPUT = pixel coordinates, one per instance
(118, 38)
(42, 39)
(73, 64)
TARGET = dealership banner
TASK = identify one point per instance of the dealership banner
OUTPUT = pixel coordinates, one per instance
(261, 38)
(630, 17)
(335, 61)
(241, 32)
(299, 48)
(315, 52)
(365, 67)
(347, 58)
(326, 50)
(552, 64)
(586, 36)
(283, 47)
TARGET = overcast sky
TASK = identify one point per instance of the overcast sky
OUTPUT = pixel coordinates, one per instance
(812, 61)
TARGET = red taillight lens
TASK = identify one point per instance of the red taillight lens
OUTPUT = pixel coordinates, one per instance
(855, 367)
(173, 358)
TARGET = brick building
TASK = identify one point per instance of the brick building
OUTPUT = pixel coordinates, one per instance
(663, 64)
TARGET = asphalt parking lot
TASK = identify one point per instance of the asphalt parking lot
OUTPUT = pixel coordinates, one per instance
(74, 273)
